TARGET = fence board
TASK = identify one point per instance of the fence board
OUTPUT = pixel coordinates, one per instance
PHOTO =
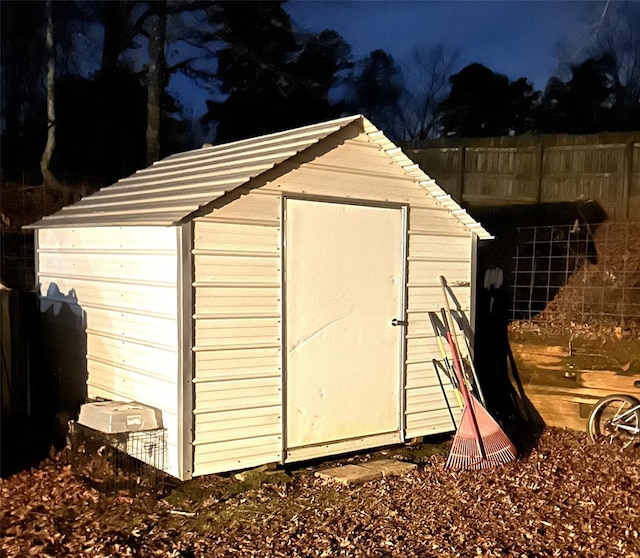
(532, 169)
(17, 331)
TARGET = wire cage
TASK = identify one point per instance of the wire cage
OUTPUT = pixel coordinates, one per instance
(577, 274)
(111, 462)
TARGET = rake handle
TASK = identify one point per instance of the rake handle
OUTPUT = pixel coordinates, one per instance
(455, 352)
(448, 320)
(458, 370)
(466, 396)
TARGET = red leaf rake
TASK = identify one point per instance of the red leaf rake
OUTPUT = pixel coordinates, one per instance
(479, 442)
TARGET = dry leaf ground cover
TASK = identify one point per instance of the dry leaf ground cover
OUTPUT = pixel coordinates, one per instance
(563, 497)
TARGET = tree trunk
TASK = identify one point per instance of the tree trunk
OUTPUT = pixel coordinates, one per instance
(45, 161)
(154, 81)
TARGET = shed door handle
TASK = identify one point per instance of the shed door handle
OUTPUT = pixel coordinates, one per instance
(397, 322)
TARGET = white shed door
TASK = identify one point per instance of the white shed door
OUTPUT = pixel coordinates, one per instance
(344, 285)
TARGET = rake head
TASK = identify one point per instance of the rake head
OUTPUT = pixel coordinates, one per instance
(479, 443)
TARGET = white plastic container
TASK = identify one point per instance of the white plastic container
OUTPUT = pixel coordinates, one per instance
(119, 416)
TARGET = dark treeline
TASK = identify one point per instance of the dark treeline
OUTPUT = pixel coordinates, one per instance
(120, 67)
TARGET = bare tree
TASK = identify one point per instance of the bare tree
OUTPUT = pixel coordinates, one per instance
(609, 30)
(426, 84)
(616, 33)
(45, 161)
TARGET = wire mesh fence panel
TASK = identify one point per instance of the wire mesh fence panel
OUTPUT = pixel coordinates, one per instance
(577, 274)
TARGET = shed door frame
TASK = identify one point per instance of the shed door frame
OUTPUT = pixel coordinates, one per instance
(332, 448)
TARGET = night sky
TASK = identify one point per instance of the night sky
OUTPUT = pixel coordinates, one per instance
(516, 38)
(511, 37)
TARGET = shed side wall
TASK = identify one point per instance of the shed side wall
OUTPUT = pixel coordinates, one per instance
(238, 372)
(121, 284)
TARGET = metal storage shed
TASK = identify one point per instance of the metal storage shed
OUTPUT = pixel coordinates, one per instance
(247, 290)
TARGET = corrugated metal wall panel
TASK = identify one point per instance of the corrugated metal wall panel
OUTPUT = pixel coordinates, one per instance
(155, 360)
(106, 239)
(237, 269)
(127, 384)
(242, 362)
(239, 330)
(227, 299)
(235, 454)
(429, 423)
(428, 395)
(238, 362)
(125, 281)
(355, 186)
(436, 249)
(429, 272)
(427, 298)
(240, 393)
(125, 267)
(246, 428)
(434, 221)
(236, 418)
(431, 246)
(249, 211)
(420, 349)
(133, 326)
(239, 358)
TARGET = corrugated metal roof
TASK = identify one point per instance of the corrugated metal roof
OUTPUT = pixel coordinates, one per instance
(171, 190)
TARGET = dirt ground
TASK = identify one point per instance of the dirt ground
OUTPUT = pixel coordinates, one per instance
(562, 497)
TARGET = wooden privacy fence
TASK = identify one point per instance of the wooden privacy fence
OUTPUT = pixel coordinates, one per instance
(22, 204)
(535, 169)
(17, 336)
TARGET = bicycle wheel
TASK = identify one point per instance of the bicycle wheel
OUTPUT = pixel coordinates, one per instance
(614, 421)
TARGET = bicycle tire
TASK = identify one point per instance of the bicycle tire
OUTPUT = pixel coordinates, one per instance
(599, 428)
